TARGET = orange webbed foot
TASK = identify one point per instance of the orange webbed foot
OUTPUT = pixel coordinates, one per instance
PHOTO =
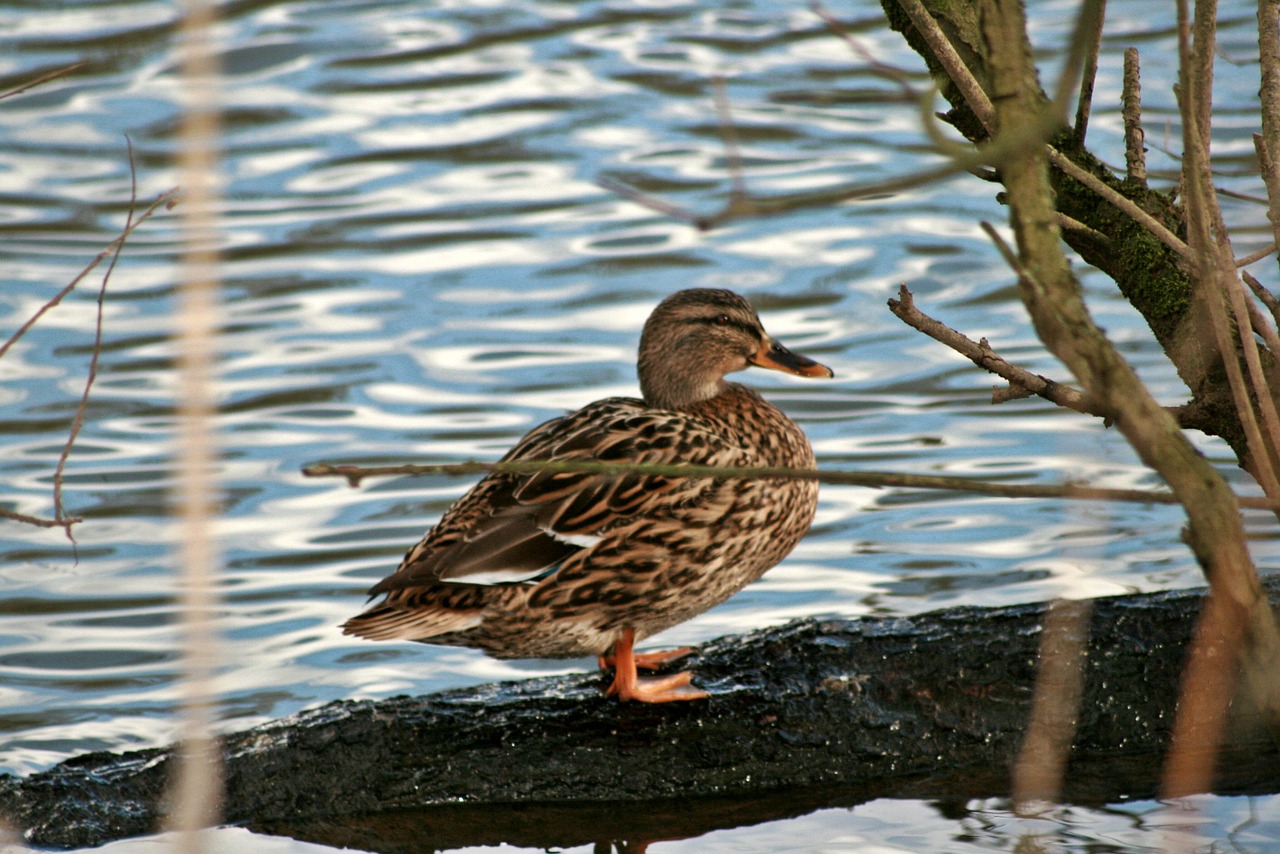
(662, 689)
(648, 660)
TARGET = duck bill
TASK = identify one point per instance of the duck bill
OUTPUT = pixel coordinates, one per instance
(775, 357)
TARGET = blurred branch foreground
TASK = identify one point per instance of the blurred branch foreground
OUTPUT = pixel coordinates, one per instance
(808, 715)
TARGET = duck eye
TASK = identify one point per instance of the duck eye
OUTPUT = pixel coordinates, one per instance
(722, 320)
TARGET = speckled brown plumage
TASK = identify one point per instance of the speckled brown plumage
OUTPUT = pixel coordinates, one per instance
(570, 564)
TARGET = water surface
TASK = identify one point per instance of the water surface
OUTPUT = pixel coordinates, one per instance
(421, 266)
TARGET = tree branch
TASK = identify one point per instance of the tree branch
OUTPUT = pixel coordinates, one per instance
(354, 474)
(1135, 157)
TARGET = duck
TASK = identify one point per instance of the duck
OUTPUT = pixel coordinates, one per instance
(568, 564)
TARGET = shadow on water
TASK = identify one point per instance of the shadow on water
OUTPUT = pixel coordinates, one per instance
(628, 827)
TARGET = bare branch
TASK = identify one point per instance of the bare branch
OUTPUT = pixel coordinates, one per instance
(959, 73)
(43, 78)
(1254, 257)
(1264, 296)
(354, 475)
(1135, 157)
(78, 421)
(167, 199)
(1164, 235)
(924, 100)
(981, 354)
(1200, 71)
(1066, 223)
(1082, 60)
(729, 136)
(61, 522)
(1268, 141)
(1212, 259)
(1270, 168)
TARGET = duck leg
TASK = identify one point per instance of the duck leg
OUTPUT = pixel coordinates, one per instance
(627, 685)
(647, 660)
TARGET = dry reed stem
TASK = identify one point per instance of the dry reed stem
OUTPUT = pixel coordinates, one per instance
(1237, 621)
(1042, 761)
(1208, 685)
(197, 788)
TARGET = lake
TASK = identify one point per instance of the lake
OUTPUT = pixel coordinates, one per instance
(420, 266)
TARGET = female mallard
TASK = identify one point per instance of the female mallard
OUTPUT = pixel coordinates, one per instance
(561, 565)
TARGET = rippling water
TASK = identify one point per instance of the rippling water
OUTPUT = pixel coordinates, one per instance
(420, 266)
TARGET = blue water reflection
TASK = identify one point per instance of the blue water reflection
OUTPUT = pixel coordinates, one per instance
(421, 265)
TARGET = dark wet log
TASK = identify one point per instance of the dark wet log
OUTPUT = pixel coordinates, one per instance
(815, 713)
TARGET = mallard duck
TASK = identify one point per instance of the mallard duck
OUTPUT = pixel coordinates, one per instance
(564, 565)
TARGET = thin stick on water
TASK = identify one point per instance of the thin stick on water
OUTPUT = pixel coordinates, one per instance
(197, 793)
(77, 422)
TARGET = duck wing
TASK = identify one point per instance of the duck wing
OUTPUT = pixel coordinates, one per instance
(519, 528)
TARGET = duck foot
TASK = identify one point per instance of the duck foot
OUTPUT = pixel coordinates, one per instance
(629, 686)
(648, 660)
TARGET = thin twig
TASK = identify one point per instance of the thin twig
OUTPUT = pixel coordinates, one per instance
(951, 62)
(355, 474)
(1135, 156)
(43, 78)
(1264, 296)
(981, 354)
(1067, 223)
(1254, 257)
(1083, 59)
(1236, 194)
(167, 199)
(1094, 183)
(924, 100)
(729, 138)
(60, 522)
(981, 105)
(77, 422)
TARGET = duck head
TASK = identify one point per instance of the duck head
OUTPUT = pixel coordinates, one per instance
(694, 337)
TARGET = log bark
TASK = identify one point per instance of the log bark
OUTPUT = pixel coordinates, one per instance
(815, 713)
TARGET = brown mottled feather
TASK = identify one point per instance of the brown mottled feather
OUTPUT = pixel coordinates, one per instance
(557, 564)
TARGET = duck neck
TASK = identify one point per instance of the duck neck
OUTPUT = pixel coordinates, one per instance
(666, 386)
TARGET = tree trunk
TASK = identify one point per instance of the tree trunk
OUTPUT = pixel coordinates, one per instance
(807, 715)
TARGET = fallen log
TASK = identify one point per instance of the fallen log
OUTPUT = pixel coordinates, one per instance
(814, 713)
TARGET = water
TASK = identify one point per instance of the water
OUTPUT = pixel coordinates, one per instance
(420, 266)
